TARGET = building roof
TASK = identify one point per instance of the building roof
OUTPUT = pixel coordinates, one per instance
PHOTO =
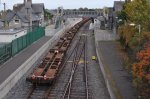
(23, 17)
(12, 14)
(20, 10)
(37, 8)
(9, 16)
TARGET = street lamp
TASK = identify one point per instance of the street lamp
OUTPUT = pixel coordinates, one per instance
(139, 26)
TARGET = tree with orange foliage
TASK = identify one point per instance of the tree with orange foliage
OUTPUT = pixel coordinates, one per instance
(142, 67)
(141, 70)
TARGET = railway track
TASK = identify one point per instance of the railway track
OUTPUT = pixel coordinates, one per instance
(78, 76)
(72, 82)
(37, 92)
(70, 53)
(41, 90)
(77, 86)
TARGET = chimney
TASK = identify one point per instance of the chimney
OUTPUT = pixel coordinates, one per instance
(24, 1)
(15, 8)
(29, 1)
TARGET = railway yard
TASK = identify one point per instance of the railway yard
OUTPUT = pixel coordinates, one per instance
(67, 71)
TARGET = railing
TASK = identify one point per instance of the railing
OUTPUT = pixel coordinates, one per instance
(17, 45)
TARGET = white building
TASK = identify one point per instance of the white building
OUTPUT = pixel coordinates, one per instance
(7, 36)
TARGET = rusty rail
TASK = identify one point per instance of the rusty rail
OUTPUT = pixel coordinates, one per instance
(67, 92)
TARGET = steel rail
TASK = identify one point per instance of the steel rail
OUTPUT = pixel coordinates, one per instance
(74, 65)
(30, 91)
(62, 67)
(85, 69)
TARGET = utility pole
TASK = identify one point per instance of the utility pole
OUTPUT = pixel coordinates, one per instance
(30, 19)
(4, 15)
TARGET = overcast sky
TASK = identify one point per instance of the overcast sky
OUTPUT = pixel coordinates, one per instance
(67, 4)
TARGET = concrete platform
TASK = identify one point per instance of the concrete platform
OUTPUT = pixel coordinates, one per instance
(16, 67)
(8, 68)
(118, 80)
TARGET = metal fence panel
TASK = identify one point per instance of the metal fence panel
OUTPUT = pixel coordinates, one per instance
(5, 53)
(20, 43)
(14, 47)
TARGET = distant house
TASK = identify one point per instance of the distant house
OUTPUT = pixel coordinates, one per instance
(25, 14)
(118, 6)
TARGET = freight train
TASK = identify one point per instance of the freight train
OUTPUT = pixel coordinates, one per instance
(46, 71)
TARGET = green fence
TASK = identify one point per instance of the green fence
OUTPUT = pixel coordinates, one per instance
(5, 53)
(20, 43)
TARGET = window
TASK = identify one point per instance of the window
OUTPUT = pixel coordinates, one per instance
(16, 21)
